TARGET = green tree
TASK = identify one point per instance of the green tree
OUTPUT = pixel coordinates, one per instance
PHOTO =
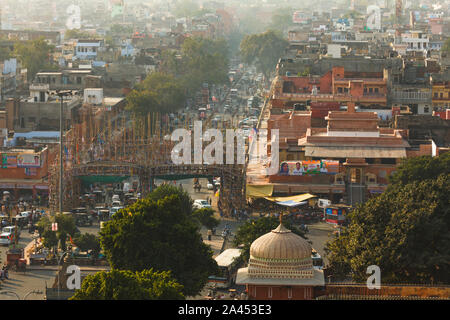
(34, 55)
(121, 29)
(404, 231)
(204, 61)
(446, 46)
(88, 242)
(205, 216)
(66, 227)
(264, 50)
(421, 168)
(157, 93)
(167, 190)
(77, 34)
(159, 234)
(252, 230)
(142, 102)
(5, 53)
(128, 285)
(50, 240)
(282, 20)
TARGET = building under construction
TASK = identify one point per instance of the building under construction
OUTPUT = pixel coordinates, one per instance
(110, 145)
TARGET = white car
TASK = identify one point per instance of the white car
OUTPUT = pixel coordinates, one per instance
(12, 230)
(6, 238)
(210, 186)
(25, 213)
(200, 204)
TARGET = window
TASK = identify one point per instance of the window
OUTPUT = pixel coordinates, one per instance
(435, 94)
(426, 109)
(78, 80)
(370, 90)
(340, 90)
(376, 90)
(365, 90)
(388, 161)
(441, 95)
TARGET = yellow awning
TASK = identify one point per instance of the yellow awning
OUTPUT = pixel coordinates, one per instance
(297, 198)
(259, 191)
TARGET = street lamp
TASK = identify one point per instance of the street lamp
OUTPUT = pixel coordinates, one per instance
(61, 94)
(59, 271)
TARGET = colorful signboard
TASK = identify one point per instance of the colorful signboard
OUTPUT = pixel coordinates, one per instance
(299, 168)
(334, 215)
(28, 160)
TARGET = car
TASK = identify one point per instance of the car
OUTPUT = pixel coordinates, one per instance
(210, 186)
(25, 213)
(200, 204)
(115, 197)
(6, 238)
(11, 229)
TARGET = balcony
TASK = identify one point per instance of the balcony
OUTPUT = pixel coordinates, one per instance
(406, 97)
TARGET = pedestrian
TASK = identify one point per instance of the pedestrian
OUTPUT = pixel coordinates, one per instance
(210, 201)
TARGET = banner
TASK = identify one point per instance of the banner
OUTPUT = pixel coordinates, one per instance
(4, 161)
(28, 160)
(299, 168)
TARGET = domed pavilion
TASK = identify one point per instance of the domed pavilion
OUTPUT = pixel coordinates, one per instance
(280, 268)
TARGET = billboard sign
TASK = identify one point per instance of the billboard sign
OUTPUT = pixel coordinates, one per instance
(28, 160)
(299, 168)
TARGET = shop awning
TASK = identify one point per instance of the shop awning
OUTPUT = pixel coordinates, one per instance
(291, 203)
(354, 152)
(259, 191)
(297, 199)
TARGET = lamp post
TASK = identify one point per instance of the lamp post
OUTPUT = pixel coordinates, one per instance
(59, 271)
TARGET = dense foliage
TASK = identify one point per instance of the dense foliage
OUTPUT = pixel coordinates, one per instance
(128, 285)
(404, 231)
(88, 242)
(66, 227)
(157, 93)
(34, 55)
(205, 216)
(264, 50)
(446, 46)
(160, 232)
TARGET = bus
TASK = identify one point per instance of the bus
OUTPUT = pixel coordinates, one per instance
(317, 260)
(228, 268)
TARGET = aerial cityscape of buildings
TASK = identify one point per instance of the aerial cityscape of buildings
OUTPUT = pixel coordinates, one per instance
(357, 93)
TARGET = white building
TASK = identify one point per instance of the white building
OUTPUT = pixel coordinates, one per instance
(415, 41)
